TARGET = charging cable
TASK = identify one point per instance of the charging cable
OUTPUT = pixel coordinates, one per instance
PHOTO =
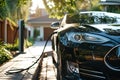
(40, 57)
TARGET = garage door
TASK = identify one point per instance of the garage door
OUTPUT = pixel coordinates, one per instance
(47, 32)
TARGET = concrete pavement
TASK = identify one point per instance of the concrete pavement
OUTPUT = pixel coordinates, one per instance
(22, 61)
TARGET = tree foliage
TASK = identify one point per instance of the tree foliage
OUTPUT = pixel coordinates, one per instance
(38, 12)
(96, 6)
(14, 9)
(57, 8)
(4, 10)
(19, 9)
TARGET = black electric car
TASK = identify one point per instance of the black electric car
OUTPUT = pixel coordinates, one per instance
(87, 48)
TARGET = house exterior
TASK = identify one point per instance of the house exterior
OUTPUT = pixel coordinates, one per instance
(43, 24)
(40, 20)
(111, 5)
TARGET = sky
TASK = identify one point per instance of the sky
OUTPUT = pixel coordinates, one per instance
(37, 3)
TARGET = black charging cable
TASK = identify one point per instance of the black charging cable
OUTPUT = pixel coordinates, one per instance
(20, 70)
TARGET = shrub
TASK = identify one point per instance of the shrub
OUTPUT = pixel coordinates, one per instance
(5, 55)
(12, 47)
(15, 46)
(27, 43)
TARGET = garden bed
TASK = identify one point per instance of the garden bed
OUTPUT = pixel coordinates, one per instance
(9, 51)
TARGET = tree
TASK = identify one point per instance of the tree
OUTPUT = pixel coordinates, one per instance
(19, 9)
(57, 8)
(38, 12)
(95, 5)
(15, 10)
(4, 11)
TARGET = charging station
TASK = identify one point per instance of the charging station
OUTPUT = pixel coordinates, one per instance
(21, 26)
